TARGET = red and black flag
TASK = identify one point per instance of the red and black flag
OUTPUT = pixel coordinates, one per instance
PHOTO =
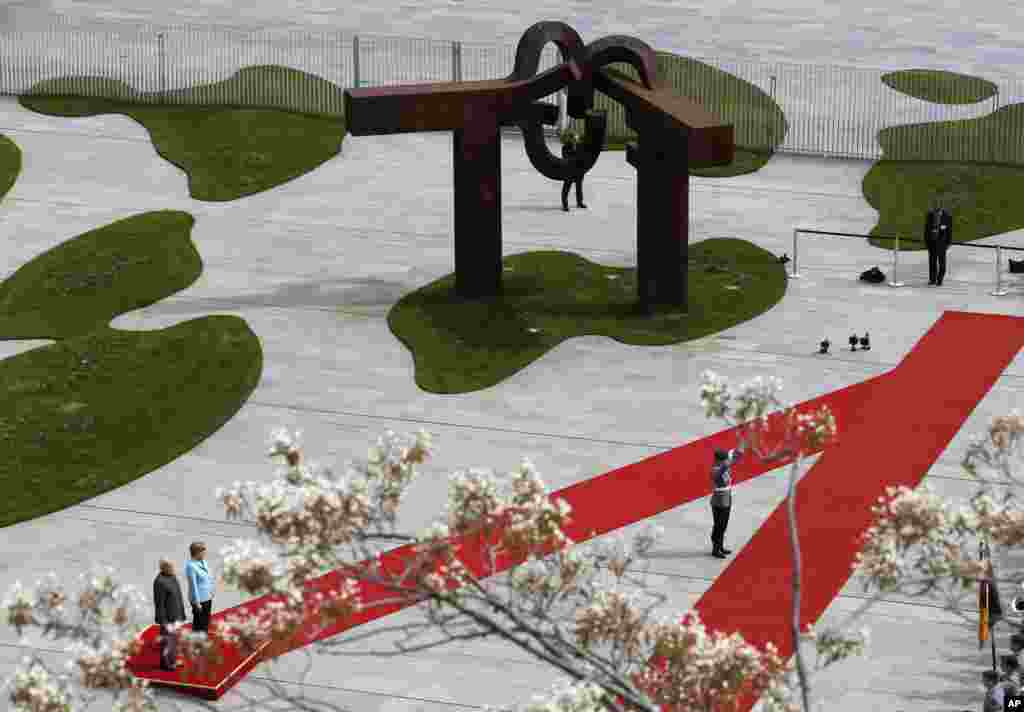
(990, 608)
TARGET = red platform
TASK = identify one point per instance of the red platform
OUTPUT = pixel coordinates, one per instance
(212, 683)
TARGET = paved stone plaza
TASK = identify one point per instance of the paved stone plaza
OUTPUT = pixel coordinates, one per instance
(315, 265)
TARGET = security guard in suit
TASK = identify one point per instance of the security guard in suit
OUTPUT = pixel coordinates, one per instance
(938, 236)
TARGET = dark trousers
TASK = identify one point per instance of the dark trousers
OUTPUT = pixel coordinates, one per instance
(936, 263)
(168, 648)
(201, 616)
(720, 515)
(565, 192)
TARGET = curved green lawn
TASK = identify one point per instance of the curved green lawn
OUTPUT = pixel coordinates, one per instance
(939, 86)
(103, 407)
(10, 164)
(987, 202)
(939, 160)
(759, 122)
(85, 282)
(460, 346)
(227, 152)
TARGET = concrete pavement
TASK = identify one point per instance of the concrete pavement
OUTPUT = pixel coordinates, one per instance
(315, 265)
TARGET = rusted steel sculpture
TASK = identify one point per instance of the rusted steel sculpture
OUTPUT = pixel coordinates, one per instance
(673, 133)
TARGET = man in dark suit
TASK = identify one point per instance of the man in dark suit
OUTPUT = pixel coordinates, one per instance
(170, 608)
(570, 149)
(938, 235)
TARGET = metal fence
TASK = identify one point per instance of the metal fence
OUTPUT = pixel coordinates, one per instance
(997, 289)
(825, 110)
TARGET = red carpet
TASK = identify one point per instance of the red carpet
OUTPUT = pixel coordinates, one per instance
(891, 434)
(909, 415)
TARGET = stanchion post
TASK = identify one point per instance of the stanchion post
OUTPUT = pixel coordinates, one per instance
(998, 291)
(794, 274)
(895, 282)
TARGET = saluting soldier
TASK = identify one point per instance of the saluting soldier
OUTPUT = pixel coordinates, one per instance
(721, 498)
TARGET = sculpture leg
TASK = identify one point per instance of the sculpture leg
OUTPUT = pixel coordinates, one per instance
(476, 159)
(662, 228)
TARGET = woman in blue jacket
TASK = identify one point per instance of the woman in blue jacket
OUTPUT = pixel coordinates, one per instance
(200, 587)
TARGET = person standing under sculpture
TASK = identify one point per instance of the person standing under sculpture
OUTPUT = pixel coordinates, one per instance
(938, 235)
(570, 150)
(200, 587)
(721, 498)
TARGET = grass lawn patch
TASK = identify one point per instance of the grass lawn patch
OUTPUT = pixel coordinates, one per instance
(549, 296)
(103, 407)
(985, 198)
(10, 164)
(227, 152)
(97, 411)
(939, 86)
(84, 283)
(975, 167)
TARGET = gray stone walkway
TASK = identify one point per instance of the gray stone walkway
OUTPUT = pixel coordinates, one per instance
(315, 265)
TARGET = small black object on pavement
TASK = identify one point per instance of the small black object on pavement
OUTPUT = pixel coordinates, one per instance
(824, 346)
(873, 276)
(1017, 642)
(853, 342)
(784, 259)
(864, 342)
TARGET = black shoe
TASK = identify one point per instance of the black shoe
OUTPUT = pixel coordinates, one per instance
(725, 551)
(581, 205)
(931, 281)
(939, 283)
(718, 554)
(565, 208)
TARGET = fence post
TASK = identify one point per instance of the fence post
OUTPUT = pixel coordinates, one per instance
(794, 274)
(456, 61)
(998, 291)
(163, 63)
(894, 282)
(355, 59)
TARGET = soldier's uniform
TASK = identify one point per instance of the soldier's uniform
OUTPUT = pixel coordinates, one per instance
(721, 498)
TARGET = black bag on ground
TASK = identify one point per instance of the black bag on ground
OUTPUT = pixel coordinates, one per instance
(873, 275)
(1017, 266)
